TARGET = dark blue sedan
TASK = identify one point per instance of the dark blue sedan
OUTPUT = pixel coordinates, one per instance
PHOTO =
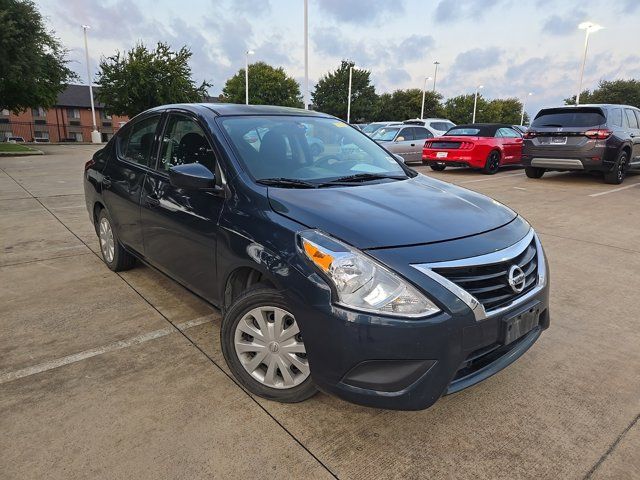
(337, 269)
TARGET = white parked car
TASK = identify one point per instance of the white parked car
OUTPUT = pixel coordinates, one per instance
(437, 126)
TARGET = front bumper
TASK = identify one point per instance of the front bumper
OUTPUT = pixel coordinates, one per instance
(403, 364)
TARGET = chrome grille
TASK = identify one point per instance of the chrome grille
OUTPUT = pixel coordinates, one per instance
(489, 283)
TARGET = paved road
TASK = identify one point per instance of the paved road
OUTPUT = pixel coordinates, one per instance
(106, 375)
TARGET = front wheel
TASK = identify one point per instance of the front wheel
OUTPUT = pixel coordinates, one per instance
(263, 346)
(534, 172)
(619, 170)
(492, 164)
(438, 167)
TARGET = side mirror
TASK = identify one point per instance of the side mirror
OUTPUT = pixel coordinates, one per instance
(192, 176)
(399, 158)
(400, 139)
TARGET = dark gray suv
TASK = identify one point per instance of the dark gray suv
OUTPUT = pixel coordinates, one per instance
(603, 138)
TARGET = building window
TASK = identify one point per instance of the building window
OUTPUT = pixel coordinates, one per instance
(77, 136)
(42, 135)
(103, 115)
(73, 113)
(38, 112)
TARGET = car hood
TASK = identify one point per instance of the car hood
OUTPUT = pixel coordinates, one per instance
(416, 211)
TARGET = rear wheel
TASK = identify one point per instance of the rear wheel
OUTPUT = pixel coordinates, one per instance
(113, 254)
(492, 164)
(263, 346)
(534, 172)
(619, 171)
(438, 167)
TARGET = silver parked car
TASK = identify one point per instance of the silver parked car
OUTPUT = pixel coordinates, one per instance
(437, 126)
(371, 128)
(404, 140)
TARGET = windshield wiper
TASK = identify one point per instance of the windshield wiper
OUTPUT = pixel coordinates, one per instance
(286, 182)
(363, 177)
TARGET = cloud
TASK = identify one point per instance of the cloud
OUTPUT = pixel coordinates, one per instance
(396, 76)
(557, 25)
(477, 59)
(454, 10)
(360, 11)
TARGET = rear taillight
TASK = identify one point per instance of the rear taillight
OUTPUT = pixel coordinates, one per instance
(530, 134)
(89, 164)
(427, 144)
(599, 134)
(466, 145)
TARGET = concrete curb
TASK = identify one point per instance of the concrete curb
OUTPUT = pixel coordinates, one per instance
(21, 154)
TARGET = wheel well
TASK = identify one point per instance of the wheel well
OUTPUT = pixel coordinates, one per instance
(239, 281)
(627, 149)
(96, 211)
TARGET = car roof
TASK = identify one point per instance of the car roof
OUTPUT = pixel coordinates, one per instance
(486, 129)
(593, 105)
(223, 109)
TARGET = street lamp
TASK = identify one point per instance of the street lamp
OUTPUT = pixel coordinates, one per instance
(423, 90)
(588, 27)
(95, 134)
(306, 54)
(349, 99)
(524, 102)
(475, 102)
(435, 74)
(246, 76)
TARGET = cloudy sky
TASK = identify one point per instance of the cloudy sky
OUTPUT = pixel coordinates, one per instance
(511, 46)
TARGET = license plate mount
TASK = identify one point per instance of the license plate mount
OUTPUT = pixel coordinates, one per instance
(518, 325)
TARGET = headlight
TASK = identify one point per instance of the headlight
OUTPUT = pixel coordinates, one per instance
(361, 282)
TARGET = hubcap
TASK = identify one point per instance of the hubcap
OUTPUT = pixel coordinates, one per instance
(107, 245)
(269, 345)
(621, 168)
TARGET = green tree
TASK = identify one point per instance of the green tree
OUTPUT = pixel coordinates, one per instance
(460, 109)
(331, 91)
(626, 92)
(33, 63)
(503, 110)
(140, 79)
(267, 86)
(405, 104)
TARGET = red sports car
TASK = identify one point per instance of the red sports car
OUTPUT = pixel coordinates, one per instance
(485, 146)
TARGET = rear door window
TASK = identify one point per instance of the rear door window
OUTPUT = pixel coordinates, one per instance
(615, 117)
(633, 121)
(569, 117)
(139, 145)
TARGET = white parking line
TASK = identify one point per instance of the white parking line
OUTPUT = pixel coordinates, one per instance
(614, 190)
(111, 347)
(494, 178)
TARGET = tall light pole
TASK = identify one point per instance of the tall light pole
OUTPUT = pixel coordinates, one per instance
(435, 74)
(423, 90)
(306, 54)
(524, 102)
(588, 27)
(475, 102)
(95, 135)
(246, 76)
(349, 99)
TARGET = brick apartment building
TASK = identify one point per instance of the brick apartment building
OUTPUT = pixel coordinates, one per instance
(68, 121)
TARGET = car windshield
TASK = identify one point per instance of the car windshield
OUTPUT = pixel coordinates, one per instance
(385, 134)
(442, 126)
(306, 149)
(463, 132)
(570, 117)
(372, 127)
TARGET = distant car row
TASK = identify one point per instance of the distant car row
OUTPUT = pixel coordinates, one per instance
(593, 138)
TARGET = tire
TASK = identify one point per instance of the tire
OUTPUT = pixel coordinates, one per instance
(619, 170)
(492, 164)
(437, 167)
(113, 254)
(534, 172)
(275, 376)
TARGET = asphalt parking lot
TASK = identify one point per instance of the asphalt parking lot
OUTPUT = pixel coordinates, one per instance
(106, 375)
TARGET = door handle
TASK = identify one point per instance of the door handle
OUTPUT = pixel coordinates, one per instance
(152, 200)
(106, 182)
(413, 144)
